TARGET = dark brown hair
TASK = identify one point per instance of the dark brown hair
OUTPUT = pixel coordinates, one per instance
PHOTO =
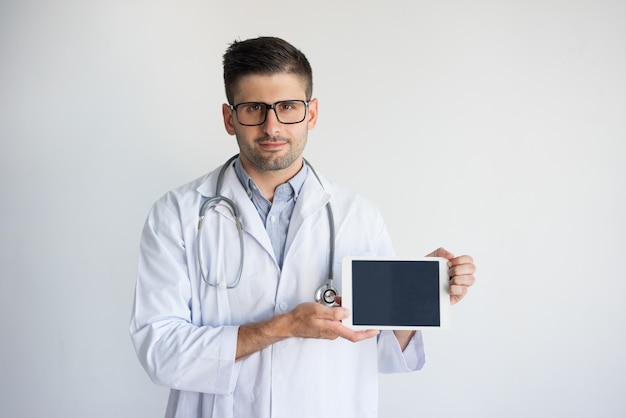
(264, 56)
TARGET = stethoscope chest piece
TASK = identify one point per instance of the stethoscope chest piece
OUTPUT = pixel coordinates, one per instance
(325, 295)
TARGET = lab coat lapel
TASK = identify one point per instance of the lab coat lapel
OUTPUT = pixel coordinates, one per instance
(312, 199)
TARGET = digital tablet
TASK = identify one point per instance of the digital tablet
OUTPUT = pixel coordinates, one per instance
(396, 293)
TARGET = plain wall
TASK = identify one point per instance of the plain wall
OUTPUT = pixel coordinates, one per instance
(494, 128)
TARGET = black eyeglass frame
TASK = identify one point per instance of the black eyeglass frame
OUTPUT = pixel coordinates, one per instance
(272, 107)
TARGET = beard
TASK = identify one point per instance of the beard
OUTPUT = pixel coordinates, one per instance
(272, 161)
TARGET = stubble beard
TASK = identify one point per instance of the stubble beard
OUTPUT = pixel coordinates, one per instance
(271, 161)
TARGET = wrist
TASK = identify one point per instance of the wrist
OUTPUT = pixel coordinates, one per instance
(279, 327)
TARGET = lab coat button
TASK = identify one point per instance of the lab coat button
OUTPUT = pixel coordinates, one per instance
(283, 306)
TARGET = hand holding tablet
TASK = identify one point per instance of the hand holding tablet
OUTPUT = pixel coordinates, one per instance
(396, 293)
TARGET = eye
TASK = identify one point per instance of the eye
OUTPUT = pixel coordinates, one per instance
(288, 106)
(252, 107)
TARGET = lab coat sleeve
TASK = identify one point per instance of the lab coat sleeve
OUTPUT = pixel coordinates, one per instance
(175, 352)
(391, 359)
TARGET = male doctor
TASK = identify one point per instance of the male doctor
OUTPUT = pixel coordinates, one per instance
(257, 345)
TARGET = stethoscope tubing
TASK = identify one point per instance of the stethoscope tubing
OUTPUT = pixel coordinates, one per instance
(325, 293)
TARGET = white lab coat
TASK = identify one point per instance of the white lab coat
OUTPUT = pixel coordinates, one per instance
(185, 332)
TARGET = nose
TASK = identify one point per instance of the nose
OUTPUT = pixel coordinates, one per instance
(271, 125)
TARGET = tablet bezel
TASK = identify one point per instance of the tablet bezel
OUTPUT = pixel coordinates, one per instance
(444, 293)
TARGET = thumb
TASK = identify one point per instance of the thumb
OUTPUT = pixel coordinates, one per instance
(441, 252)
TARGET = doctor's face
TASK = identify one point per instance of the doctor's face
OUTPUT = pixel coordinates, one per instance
(273, 145)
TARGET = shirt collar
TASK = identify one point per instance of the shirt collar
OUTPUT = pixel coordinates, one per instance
(296, 182)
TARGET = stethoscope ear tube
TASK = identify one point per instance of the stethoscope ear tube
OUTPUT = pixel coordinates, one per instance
(219, 200)
(325, 294)
(232, 208)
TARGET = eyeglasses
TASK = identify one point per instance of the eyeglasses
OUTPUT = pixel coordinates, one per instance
(288, 112)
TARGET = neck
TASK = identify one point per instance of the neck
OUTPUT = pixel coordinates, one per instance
(269, 180)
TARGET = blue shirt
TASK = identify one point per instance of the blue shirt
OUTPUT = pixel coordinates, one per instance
(275, 215)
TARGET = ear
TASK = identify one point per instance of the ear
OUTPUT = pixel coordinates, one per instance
(312, 120)
(229, 122)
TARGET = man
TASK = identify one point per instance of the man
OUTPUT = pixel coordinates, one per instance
(245, 339)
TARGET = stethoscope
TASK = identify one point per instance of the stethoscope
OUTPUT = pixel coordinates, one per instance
(324, 294)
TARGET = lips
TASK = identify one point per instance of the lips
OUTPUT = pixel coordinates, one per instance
(272, 144)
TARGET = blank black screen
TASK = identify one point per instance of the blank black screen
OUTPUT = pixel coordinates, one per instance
(400, 293)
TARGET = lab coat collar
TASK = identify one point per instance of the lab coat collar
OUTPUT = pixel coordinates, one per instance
(316, 195)
(313, 197)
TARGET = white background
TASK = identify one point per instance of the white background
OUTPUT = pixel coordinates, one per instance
(494, 128)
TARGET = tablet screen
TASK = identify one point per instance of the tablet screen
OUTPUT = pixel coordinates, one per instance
(397, 294)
